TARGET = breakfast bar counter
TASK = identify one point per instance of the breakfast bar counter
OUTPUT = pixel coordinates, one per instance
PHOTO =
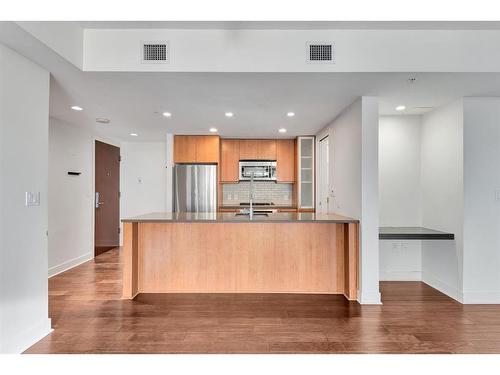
(169, 252)
(231, 217)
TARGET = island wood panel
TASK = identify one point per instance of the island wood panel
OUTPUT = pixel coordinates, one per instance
(242, 257)
(312, 259)
(351, 261)
(285, 160)
(130, 260)
(230, 157)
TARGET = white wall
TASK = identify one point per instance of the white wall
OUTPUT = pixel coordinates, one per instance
(481, 257)
(399, 171)
(353, 138)
(400, 195)
(286, 50)
(344, 135)
(442, 196)
(24, 113)
(71, 198)
(71, 210)
(64, 37)
(143, 178)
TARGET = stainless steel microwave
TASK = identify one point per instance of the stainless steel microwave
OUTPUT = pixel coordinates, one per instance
(263, 170)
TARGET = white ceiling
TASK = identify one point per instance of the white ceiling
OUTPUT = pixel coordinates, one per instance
(259, 100)
(134, 101)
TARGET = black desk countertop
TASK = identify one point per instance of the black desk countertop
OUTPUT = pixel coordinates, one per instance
(413, 233)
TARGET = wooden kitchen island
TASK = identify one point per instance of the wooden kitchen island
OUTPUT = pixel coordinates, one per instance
(224, 253)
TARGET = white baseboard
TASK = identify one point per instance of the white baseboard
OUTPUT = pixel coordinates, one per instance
(69, 264)
(369, 298)
(481, 298)
(400, 275)
(443, 287)
(25, 338)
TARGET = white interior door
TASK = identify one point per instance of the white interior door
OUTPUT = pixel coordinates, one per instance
(323, 176)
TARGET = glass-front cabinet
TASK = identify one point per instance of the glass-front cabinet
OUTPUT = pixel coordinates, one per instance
(305, 183)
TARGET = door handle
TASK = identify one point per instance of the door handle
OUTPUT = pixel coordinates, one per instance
(97, 203)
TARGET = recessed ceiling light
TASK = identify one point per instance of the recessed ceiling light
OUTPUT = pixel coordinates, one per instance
(212, 130)
(167, 114)
(134, 134)
(102, 120)
(229, 114)
(76, 108)
(290, 114)
(282, 130)
(400, 108)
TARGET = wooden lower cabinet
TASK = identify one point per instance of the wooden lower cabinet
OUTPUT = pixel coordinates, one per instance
(287, 210)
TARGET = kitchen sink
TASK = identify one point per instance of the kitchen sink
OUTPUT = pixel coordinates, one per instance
(254, 214)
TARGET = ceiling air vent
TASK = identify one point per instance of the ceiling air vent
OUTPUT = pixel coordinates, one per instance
(320, 52)
(155, 52)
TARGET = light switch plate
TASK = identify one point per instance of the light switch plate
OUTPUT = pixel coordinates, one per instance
(32, 198)
(497, 194)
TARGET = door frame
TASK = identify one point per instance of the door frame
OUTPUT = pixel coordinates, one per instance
(92, 200)
(323, 171)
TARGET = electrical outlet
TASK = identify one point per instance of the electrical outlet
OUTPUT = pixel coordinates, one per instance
(32, 198)
(497, 194)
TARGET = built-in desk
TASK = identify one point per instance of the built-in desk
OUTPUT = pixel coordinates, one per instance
(413, 233)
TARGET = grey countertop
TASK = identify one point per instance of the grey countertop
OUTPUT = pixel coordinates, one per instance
(256, 206)
(230, 217)
(413, 233)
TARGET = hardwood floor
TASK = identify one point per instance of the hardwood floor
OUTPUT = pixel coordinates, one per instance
(89, 316)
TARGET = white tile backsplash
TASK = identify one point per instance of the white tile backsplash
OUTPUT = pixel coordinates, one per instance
(263, 191)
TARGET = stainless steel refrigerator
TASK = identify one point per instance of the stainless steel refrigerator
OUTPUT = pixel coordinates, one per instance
(195, 188)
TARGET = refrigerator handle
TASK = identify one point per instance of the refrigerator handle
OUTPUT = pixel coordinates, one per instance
(196, 186)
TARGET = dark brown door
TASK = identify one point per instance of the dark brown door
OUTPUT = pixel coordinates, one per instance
(107, 197)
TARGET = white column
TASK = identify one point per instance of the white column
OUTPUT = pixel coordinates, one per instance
(369, 268)
(169, 164)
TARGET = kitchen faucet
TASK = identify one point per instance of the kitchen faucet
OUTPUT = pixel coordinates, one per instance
(251, 196)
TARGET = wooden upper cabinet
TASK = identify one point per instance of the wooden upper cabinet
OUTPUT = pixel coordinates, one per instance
(267, 150)
(184, 149)
(257, 149)
(249, 149)
(207, 149)
(285, 160)
(196, 149)
(230, 157)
